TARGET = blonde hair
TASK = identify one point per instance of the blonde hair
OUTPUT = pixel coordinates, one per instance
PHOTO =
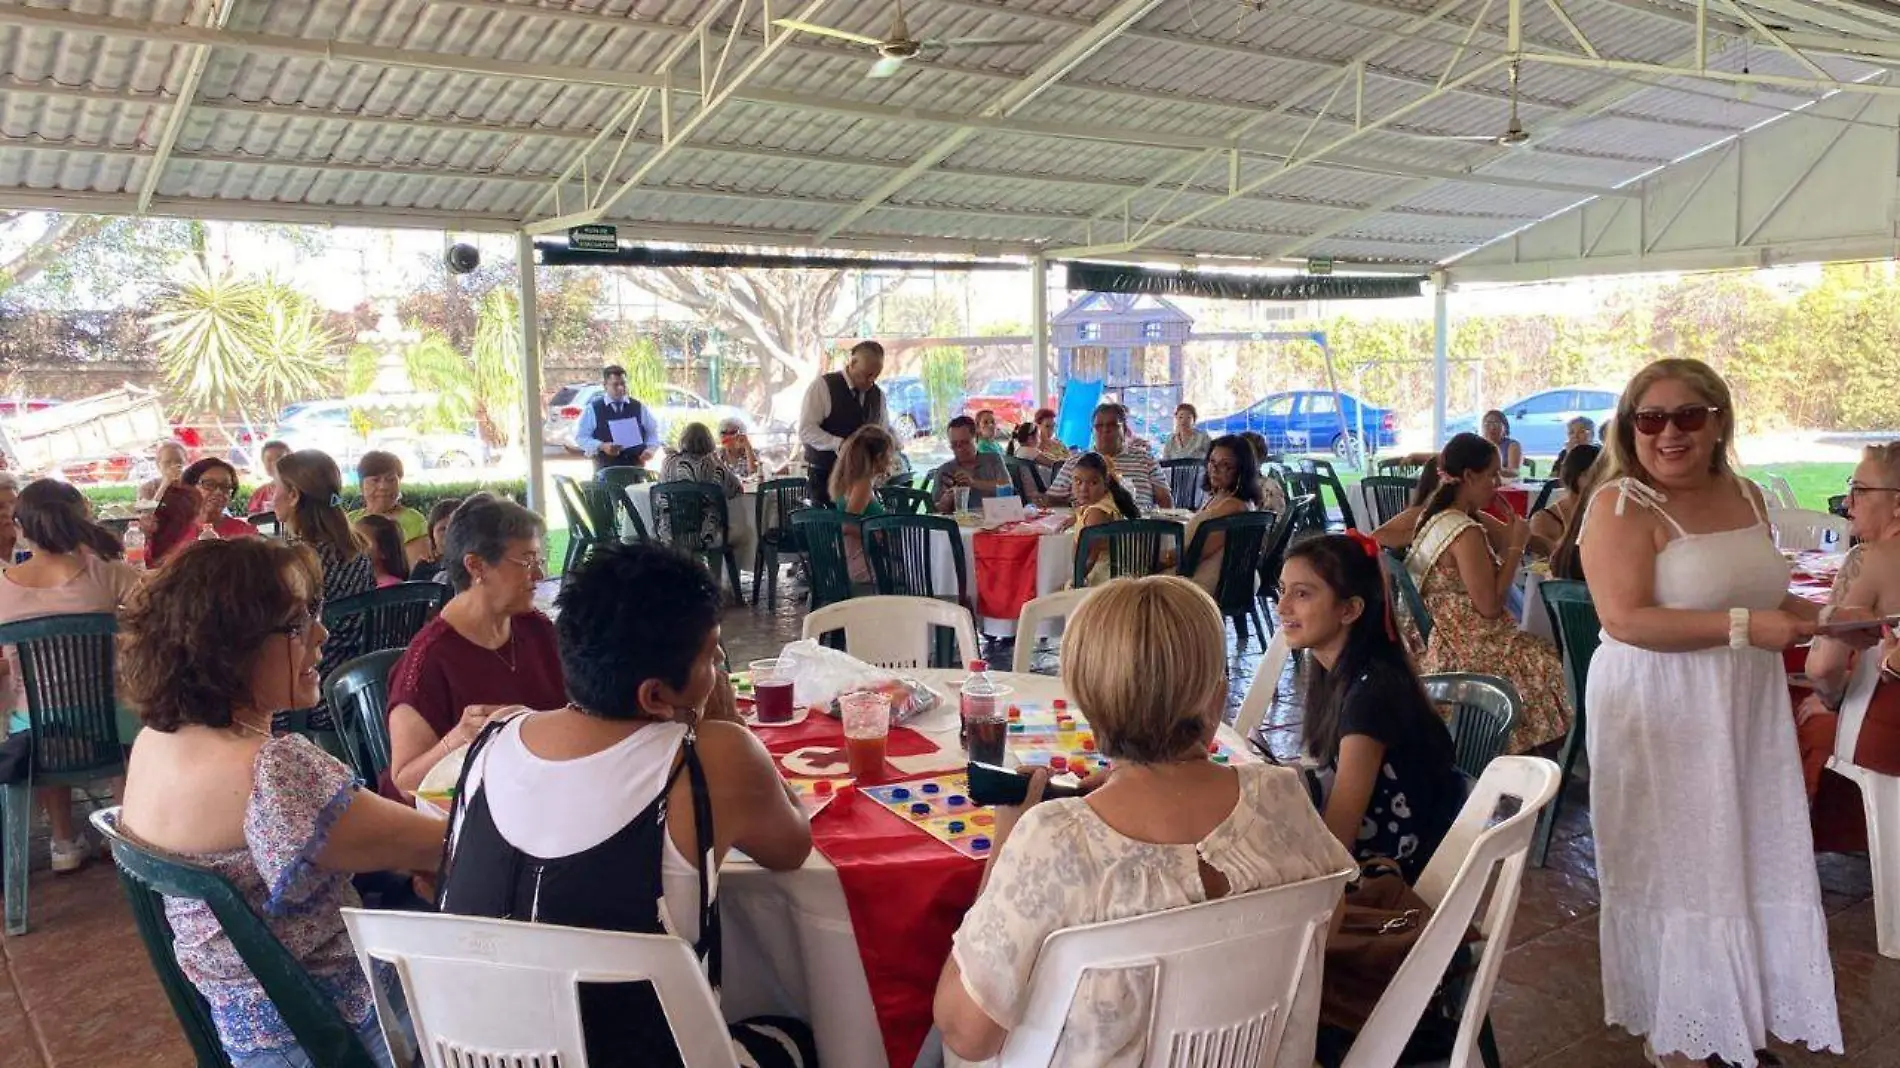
(865, 455)
(1146, 660)
(1697, 376)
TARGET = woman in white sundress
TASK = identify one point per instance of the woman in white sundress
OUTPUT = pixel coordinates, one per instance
(1711, 931)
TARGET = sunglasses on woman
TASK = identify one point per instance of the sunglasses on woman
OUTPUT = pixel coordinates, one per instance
(1689, 418)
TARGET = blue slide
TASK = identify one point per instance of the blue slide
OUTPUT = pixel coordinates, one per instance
(1073, 419)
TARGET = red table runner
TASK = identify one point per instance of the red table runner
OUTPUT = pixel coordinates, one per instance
(905, 890)
(1006, 568)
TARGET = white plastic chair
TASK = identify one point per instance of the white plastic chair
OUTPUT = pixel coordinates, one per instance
(1228, 974)
(1266, 685)
(504, 994)
(1880, 797)
(1800, 529)
(892, 631)
(1452, 884)
(1050, 606)
(1780, 493)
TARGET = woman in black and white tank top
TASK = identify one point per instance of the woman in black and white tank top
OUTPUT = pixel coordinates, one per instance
(614, 813)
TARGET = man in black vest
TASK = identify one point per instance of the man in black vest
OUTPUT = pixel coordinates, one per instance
(837, 404)
(615, 429)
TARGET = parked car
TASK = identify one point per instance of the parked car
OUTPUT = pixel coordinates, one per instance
(1538, 420)
(909, 404)
(331, 427)
(1308, 420)
(1013, 399)
(678, 405)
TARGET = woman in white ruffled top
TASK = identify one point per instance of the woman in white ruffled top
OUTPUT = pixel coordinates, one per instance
(1712, 932)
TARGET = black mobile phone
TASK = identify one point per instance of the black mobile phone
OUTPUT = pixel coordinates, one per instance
(991, 785)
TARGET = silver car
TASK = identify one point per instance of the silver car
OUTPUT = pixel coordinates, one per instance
(679, 405)
(329, 426)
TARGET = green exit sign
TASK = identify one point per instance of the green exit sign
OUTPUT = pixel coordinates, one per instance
(1319, 265)
(593, 238)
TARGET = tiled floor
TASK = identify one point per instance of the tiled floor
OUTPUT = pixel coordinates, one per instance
(77, 992)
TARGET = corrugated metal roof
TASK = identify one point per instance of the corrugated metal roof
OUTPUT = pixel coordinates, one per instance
(478, 112)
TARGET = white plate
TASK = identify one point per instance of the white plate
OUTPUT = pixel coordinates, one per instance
(799, 715)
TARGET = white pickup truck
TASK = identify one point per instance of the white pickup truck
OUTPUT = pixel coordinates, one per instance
(125, 420)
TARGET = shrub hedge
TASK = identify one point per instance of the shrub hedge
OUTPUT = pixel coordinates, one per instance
(418, 495)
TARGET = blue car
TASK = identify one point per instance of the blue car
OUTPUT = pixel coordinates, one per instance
(1307, 420)
(909, 404)
(1538, 421)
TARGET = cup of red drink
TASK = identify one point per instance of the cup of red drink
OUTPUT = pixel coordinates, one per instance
(867, 729)
(771, 694)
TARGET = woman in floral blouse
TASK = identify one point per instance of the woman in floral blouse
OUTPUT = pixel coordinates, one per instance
(217, 641)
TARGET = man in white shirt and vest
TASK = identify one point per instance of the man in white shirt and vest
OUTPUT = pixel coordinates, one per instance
(615, 429)
(837, 404)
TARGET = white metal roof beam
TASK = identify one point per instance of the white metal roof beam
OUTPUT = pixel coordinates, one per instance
(1736, 77)
(217, 14)
(1047, 73)
(714, 92)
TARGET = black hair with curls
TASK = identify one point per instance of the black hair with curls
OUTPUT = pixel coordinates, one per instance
(611, 643)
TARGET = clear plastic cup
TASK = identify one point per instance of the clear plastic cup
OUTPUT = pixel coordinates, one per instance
(771, 695)
(867, 729)
(963, 499)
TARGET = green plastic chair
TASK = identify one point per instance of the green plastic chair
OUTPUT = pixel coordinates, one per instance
(1026, 476)
(590, 517)
(146, 874)
(1573, 618)
(1135, 547)
(902, 500)
(618, 479)
(1187, 478)
(386, 619)
(1329, 478)
(1247, 536)
(822, 531)
(1273, 561)
(1388, 496)
(687, 504)
(773, 507)
(68, 668)
(1484, 710)
(1408, 594)
(1399, 467)
(358, 696)
(903, 551)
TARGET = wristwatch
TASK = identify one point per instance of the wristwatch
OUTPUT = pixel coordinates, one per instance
(1738, 628)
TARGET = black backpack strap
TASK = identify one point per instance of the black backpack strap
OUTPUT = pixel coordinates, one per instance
(709, 946)
(460, 801)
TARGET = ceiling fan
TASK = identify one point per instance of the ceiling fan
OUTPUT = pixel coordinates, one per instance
(1514, 133)
(898, 45)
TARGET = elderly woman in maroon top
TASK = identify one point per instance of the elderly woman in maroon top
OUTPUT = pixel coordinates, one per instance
(489, 649)
(217, 482)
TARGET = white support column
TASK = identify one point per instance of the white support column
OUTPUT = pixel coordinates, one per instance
(1441, 357)
(530, 371)
(1039, 327)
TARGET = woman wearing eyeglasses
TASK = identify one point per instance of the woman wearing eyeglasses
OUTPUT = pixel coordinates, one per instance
(1869, 580)
(223, 637)
(1232, 484)
(217, 483)
(1711, 929)
(735, 450)
(488, 649)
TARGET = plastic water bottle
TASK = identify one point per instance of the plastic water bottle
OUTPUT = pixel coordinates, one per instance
(135, 547)
(985, 727)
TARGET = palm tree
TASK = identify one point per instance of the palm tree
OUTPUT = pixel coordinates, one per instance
(233, 342)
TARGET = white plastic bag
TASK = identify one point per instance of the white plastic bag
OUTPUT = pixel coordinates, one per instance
(820, 675)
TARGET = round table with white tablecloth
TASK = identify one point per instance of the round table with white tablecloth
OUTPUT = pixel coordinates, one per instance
(741, 530)
(789, 944)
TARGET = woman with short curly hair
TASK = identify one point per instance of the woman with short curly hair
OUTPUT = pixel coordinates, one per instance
(227, 634)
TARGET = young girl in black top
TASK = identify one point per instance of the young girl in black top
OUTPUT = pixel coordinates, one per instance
(1390, 787)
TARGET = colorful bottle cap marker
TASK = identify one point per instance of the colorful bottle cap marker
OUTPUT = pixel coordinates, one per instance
(900, 794)
(958, 800)
(1060, 704)
(920, 808)
(956, 826)
(983, 819)
(979, 844)
(821, 787)
(1088, 745)
(1058, 763)
(931, 788)
(1220, 758)
(1016, 728)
